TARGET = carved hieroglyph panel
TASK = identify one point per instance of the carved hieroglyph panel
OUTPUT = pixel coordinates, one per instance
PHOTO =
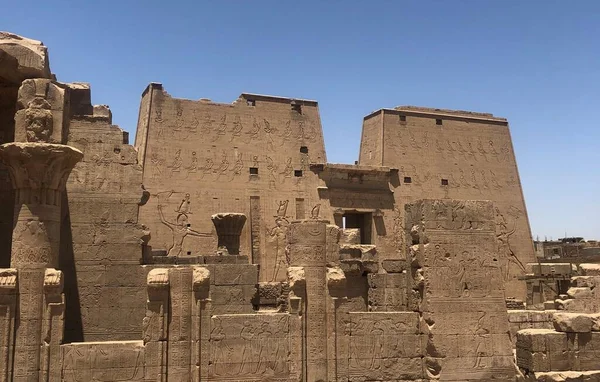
(248, 347)
(383, 346)
(106, 362)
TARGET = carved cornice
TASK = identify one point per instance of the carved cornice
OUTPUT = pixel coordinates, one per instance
(8, 280)
(39, 171)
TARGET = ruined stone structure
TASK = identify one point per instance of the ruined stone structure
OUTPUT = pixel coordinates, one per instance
(222, 246)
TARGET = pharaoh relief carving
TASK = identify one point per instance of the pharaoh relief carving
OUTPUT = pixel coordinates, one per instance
(505, 228)
(276, 242)
(180, 226)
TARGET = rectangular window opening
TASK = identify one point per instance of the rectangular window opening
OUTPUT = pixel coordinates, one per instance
(444, 182)
(407, 179)
(438, 121)
(362, 221)
(297, 173)
(402, 118)
(253, 170)
(304, 149)
(297, 107)
(250, 102)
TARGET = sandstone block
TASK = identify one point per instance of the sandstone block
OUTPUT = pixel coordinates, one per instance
(350, 236)
(30, 56)
(590, 269)
(572, 322)
(235, 274)
(394, 266)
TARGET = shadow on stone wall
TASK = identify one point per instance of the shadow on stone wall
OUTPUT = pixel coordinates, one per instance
(66, 263)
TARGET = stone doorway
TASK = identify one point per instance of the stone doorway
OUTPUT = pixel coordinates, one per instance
(362, 221)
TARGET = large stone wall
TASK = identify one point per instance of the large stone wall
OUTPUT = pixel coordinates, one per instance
(252, 156)
(102, 245)
(459, 155)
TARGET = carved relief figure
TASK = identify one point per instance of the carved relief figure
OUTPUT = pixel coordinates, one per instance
(269, 131)
(177, 162)
(220, 349)
(223, 166)
(222, 129)
(277, 242)
(207, 125)
(505, 251)
(289, 169)
(482, 150)
(287, 132)
(180, 229)
(157, 164)
(255, 130)
(209, 163)
(184, 206)
(271, 167)
(179, 122)
(237, 128)
(482, 337)
(237, 167)
(38, 121)
(193, 167)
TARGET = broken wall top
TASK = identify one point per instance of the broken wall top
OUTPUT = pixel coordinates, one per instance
(22, 58)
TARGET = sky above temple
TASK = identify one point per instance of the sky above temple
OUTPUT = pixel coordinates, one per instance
(536, 63)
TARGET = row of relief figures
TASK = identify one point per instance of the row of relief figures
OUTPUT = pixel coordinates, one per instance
(227, 167)
(477, 179)
(454, 148)
(232, 127)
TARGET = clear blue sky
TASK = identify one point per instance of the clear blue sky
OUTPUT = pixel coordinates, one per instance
(536, 63)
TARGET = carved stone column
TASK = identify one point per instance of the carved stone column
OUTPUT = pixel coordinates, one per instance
(38, 173)
(201, 323)
(229, 228)
(156, 325)
(8, 306)
(52, 325)
(307, 244)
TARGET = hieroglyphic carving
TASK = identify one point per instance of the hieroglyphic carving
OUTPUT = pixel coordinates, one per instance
(249, 345)
(383, 346)
(255, 228)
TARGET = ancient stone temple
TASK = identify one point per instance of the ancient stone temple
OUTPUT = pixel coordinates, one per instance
(222, 246)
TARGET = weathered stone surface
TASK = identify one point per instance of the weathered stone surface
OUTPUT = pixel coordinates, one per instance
(572, 322)
(589, 269)
(27, 58)
(350, 236)
(141, 248)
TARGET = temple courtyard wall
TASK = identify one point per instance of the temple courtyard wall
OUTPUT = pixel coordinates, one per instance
(222, 246)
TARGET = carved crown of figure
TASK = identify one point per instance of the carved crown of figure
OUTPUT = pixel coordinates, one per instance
(38, 121)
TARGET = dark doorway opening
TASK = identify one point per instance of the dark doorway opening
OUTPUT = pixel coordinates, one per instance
(361, 220)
